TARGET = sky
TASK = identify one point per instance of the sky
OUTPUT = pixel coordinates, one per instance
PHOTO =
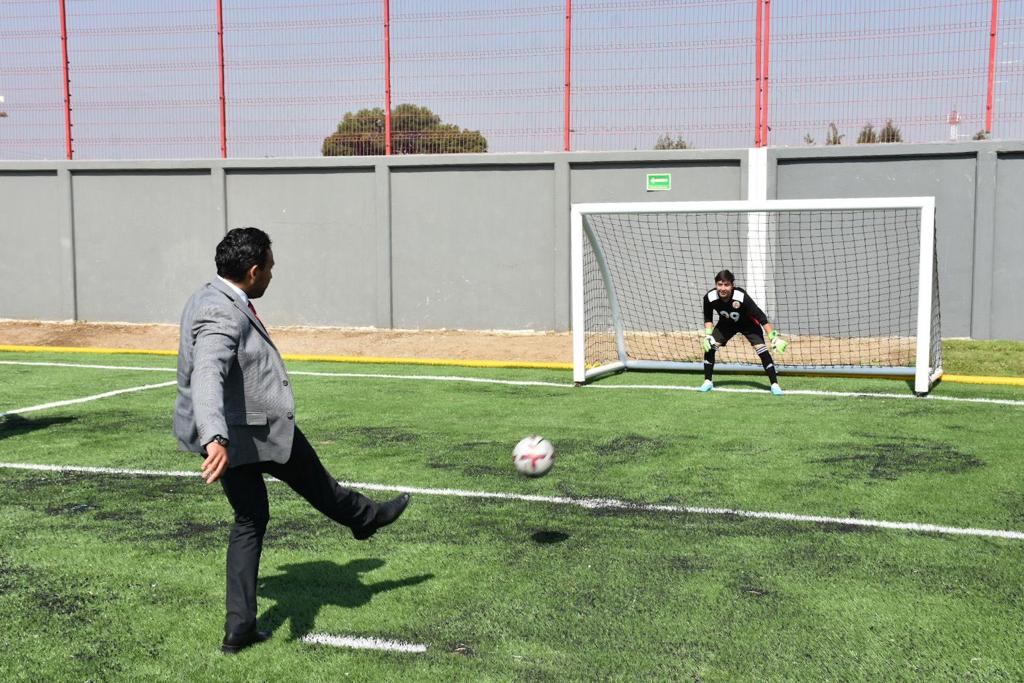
(144, 73)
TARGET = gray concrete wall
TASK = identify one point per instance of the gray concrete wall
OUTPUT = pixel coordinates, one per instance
(325, 241)
(36, 266)
(141, 239)
(460, 241)
(1002, 310)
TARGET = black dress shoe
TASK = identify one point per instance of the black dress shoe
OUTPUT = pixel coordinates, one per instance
(235, 643)
(386, 514)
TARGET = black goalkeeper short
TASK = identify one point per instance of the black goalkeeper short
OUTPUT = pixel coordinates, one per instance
(723, 333)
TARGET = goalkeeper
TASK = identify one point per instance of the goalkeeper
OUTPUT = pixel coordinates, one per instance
(737, 312)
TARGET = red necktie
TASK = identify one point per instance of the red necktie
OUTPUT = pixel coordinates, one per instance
(253, 309)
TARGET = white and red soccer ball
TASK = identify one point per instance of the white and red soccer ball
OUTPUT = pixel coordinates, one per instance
(533, 456)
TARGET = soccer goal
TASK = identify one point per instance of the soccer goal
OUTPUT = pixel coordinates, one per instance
(852, 284)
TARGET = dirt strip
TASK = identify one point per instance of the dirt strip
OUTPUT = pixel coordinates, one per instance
(544, 347)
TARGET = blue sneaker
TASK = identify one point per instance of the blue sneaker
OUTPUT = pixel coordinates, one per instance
(707, 386)
(776, 389)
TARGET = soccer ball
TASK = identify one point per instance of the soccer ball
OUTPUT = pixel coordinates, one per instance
(533, 456)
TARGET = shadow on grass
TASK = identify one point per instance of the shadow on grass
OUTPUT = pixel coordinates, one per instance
(304, 588)
(750, 383)
(16, 425)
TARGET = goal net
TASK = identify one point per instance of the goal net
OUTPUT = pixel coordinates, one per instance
(850, 283)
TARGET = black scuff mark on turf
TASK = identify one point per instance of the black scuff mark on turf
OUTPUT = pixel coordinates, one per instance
(486, 470)
(13, 576)
(298, 533)
(688, 564)
(548, 537)
(848, 528)
(752, 586)
(65, 604)
(193, 535)
(190, 531)
(54, 595)
(434, 465)
(628, 445)
(103, 652)
(374, 437)
(114, 516)
(889, 459)
(479, 445)
(71, 509)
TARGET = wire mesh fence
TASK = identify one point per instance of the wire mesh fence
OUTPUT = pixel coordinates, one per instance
(143, 79)
(31, 81)
(909, 62)
(303, 78)
(293, 70)
(681, 73)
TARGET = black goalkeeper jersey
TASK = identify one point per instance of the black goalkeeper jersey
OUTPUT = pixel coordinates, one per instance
(739, 310)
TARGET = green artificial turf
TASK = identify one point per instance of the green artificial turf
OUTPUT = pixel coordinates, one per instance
(118, 577)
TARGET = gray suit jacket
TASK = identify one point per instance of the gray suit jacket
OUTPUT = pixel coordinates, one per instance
(231, 381)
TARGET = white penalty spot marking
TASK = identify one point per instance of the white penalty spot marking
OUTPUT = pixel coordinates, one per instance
(359, 643)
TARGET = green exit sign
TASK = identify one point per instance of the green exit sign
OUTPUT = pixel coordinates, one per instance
(659, 182)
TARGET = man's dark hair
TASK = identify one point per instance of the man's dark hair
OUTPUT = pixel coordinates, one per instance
(725, 276)
(240, 250)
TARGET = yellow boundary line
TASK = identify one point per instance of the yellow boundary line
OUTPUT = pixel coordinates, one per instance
(978, 379)
(386, 360)
(368, 360)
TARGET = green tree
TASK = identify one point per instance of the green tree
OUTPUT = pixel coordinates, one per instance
(890, 133)
(414, 130)
(868, 135)
(833, 137)
(666, 142)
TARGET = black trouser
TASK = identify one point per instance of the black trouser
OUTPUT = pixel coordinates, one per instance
(754, 334)
(247, 493)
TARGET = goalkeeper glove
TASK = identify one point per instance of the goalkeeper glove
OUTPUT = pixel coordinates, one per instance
(778, 343)
(708, 341)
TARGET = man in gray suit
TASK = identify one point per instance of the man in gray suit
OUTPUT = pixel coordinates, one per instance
(235, 408)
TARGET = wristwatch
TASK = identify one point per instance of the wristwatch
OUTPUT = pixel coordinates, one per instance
(220, 440)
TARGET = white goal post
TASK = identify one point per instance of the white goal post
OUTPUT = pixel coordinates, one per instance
(851, 283)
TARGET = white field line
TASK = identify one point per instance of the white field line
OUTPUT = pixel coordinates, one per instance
(90, 366)
(82, 469)
(564, 385)
(837, 394)
(362, 643)
(86, 399)
(586, 503)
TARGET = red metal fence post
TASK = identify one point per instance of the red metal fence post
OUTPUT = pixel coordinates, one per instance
(387, 77)
(764, 66)
(223, 101)
(991, 66)
(757, 76)
(567, 139)
(67, 80)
